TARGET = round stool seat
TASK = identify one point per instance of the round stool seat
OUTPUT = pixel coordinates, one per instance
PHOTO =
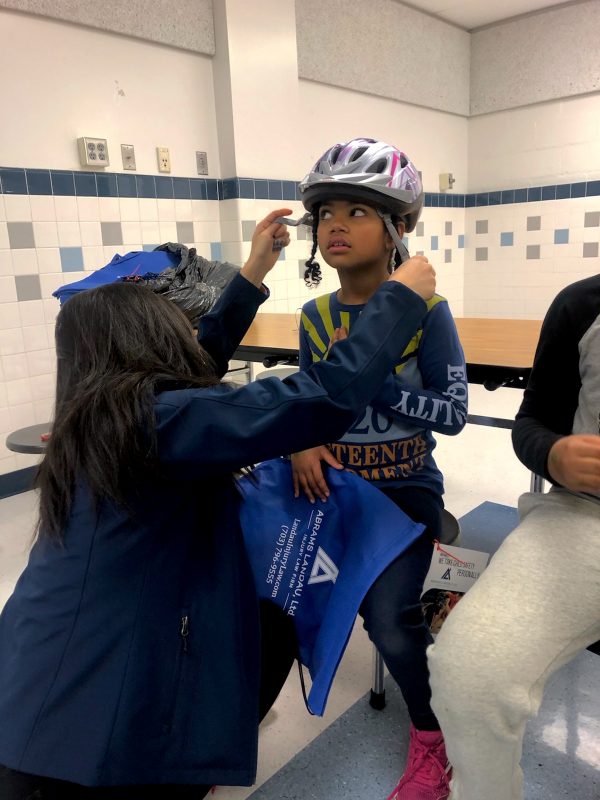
(450, 528)
(277, 372)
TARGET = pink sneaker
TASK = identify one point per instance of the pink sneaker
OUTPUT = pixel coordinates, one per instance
(427, 775)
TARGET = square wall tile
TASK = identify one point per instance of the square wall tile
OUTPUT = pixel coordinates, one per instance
(38, 181)
(304, 233)
(481, 254)
(533, 251)
(592, 188)
(88, 209)
(63, 183)
(20, 235)
(112, 233)
(448, 228)
(275, 190)
(167, 231)
(481, 226)
(590, 249)
(42, 209)
(561, 236)
(447, 256)
(48, 260)
(246, 186)
(591, 219)
(534, 223)
(248, 228)
(107, 185)
(71, 259)
(216, 251)
(461, 241)
(13, 181)
(17, 207)
(28, 287)
(434, 242)
(420, 230)
(8, 293)
(289, 190)
(45, 234)
(185, 232)
(25, 261)
(6, 264)
(506, 239)
(69, 234)
(90, 233)
(85, 184)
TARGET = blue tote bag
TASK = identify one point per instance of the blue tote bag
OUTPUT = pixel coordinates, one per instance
(318, 561)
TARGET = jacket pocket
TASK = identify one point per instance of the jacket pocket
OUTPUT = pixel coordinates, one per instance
(182, 651)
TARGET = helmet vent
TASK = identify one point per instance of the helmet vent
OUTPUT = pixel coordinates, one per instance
(358, 153)
(335, 153)
(379, 166)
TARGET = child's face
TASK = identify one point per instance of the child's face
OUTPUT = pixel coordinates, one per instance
(352, 236)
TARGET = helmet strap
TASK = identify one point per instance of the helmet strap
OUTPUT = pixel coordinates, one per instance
(396, 238)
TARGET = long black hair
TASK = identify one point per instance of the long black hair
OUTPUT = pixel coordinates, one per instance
(312, 268)
(117, 346)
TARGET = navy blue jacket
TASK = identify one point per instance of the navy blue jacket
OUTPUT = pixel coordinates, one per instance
(129, 655)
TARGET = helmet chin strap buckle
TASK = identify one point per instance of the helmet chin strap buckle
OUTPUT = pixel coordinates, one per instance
(306, 219)
(396, 238)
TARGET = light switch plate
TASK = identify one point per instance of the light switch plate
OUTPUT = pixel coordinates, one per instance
(201, 162)
(128, 156)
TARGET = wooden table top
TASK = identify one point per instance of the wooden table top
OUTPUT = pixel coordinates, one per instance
(497, 342)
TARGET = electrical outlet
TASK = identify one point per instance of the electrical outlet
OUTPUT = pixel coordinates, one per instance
(201, 163)
(93, 152)
(164, 159)
(128, 156)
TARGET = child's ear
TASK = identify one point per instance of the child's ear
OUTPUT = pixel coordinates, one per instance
(401, 228)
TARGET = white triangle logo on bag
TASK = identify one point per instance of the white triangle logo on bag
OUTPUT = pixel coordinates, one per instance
(323, 568)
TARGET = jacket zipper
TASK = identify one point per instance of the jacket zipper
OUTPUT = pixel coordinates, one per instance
(184, 631)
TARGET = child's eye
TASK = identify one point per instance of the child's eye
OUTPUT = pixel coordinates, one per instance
(358, 212)
(324, 213)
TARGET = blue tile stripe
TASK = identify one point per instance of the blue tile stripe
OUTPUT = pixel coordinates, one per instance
(116, 184)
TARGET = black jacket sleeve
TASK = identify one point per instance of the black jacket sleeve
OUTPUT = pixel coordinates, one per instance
(223, 328)
(550, 400)
(219, 429)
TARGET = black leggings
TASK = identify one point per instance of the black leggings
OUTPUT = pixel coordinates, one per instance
(278, 650)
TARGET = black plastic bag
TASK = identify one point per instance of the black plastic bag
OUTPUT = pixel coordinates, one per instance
(195, 284)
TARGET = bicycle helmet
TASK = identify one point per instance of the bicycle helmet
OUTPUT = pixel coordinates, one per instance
(366, 169)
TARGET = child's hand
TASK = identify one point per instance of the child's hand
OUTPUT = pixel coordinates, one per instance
(339, 335)
(308, 473)
(267, 242)
(418, 274)
(574, 462)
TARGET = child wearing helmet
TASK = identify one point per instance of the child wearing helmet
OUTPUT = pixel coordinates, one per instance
(363, 196)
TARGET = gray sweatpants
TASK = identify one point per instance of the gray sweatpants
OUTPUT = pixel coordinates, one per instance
(534, 608)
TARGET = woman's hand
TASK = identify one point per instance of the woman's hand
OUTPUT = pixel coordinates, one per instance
(308, 473)
(267, 242)
(418, 274)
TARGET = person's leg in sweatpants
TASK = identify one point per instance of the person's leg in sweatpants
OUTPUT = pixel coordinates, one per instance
(532, 610)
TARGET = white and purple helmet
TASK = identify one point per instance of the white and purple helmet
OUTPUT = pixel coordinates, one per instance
(366, 169)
